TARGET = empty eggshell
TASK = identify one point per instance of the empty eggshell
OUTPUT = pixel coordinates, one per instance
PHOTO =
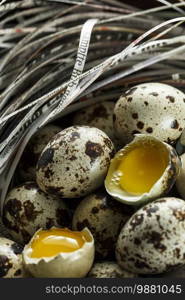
(11, 265)
(75, 162)
(152, 241)
(27, 165)
(104, 217)
(153, 108)
(109, 269)
(27, 208)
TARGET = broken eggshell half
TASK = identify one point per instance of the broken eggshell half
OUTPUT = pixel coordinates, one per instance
(143, 170)
(73, 263)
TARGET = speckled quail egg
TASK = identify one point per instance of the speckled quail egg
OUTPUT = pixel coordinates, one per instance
(152, 241)
(27, 165)
(153, 108)
(104, 217)
(27, 208)
(75, 162)
(99, 115)
(59, 252)
(180, 182)
(11, 265)
(109, 269)
(143, 170)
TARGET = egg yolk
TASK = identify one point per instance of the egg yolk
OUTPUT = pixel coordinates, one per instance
(141, 168)
(51, 242)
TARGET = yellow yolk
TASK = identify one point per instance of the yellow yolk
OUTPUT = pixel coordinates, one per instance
(54, 241)
(141, 168)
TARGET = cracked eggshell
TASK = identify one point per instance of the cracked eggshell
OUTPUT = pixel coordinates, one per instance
(11, 265)
(99, 115)
(180, 182)
(161, 187)
(104, 217)
(27, 208)
(27, 165)
(153, 108)
(75, 264)
(109, 269)
(152, 241)
(75, 162)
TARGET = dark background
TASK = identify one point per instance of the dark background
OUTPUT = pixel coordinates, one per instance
(146, 3)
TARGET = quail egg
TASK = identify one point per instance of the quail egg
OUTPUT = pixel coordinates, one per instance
(153, 108)
(109, 269)
(11, 265)
(59, 252)
(27, 208)
(152, 241)
(143, 170)
(99, 115)
(27, 165)
(180, 182)
(104, 217)
(75, 162)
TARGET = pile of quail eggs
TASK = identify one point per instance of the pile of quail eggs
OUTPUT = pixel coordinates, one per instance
(104, 197)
